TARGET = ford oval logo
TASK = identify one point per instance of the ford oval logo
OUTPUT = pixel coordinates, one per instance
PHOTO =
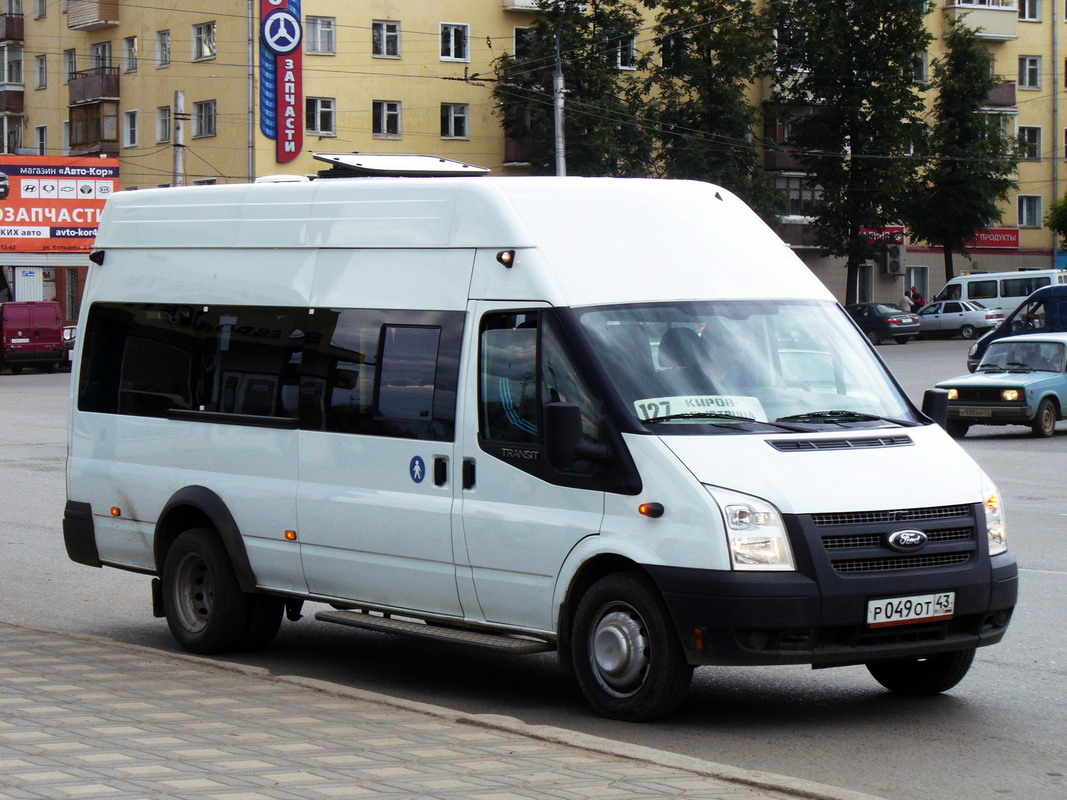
(907, 541)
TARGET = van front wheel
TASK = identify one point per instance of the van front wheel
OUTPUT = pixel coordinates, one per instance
(205, 608)
(627, 658)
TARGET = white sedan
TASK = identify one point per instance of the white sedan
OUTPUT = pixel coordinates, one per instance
(947, 318)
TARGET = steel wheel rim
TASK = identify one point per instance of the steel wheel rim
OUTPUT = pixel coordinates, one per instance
(194, 594)
(619, 649)
(1048, 420)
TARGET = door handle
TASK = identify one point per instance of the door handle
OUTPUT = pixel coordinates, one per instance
(440, 471)
(468, 473)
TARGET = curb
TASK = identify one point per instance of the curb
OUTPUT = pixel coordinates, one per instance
(783, 784)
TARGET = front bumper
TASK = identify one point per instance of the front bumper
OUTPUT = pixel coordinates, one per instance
(817, 615)
(991, 414)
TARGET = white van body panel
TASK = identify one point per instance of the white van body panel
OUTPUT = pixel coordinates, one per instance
(827, 481)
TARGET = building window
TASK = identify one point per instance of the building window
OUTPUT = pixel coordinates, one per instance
(12, 7)
(320, 35)
(163, 124)
(1030, 143)
(162, 49)
(100, 55)
(12, 63)
(386, 122)
(921, 67)
(320, 116)
(41, 136)
(40, 71)
(454, 41)
(129, 50)
(1029, 72)
(203, 41)
(801, 199)
(1030, 10)
(70, 64)
(204, 118)
(66, 137)
(626, 55)
(385, 39)
(129, 129)
(1029, 211)
(454, 120)
(41, 9)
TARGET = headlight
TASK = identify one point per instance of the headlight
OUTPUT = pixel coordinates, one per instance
(953, 394)
(755, 532)
(996, 528)
(1010, 395)
(973, 350)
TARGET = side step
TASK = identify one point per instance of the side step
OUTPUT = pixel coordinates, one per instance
(496, 641)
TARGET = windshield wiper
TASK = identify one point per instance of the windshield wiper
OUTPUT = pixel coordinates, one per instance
(1019, 367)
(700, 415)
(839, 416)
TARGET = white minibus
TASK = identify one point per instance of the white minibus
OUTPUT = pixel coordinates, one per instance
(1004, 290)
(617, 419)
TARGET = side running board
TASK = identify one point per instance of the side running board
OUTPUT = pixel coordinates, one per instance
(495, 641)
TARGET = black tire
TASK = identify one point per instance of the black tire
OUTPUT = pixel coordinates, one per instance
(205, 608)
(901, 339)
(874, 338)
(627, 657)
(1044, 424)
(16, 369)
(957, 429)
(968, 331)
(930, 675)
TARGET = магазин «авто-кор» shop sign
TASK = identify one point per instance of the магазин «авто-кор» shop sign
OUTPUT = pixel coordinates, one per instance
(53, 204)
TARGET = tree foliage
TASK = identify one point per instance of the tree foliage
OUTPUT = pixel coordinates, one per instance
(969, 157)
(845, 77)
(698, 94)
(604, 135)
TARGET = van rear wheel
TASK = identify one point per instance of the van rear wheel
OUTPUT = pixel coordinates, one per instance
(930, 675)
(205, 608)
(627, 657)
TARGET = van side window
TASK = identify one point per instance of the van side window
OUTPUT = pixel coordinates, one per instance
(521, 372)
(382, 373)
(152, 359)
(950, 292)
(1022, 287)
(982, 290)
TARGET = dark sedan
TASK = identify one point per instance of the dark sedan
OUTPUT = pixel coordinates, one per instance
(881, 321)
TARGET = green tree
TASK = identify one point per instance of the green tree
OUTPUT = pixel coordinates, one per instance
(970, 159)
(1056, 220)
(711, 53)
(603, 132)
(845, 82)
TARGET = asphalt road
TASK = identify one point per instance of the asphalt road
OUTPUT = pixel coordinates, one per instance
(1002, 733)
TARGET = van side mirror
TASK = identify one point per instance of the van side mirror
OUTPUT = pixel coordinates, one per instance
(563, 438)
(935, 405)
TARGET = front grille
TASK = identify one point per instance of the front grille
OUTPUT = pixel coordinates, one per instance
(899, 515)
(989, 395)
(890, 564)
(875, 539)
(809, 445)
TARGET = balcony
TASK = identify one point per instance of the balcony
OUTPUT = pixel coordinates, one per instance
(11, 28)
(12, 101)
(1003, 96)
(798, 235)
(997, 20)
(520, 5)
(90, 15)
(94, 128)
(93, 85)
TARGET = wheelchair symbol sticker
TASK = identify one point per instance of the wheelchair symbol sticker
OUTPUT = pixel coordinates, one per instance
(417, 469)
(281, 32)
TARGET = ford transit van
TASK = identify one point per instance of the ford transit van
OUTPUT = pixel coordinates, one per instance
(1004, 290)
(613, 418)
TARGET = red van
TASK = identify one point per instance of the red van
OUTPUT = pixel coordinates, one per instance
(31, 335)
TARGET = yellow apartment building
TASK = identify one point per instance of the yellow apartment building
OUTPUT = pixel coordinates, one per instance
(202, 91)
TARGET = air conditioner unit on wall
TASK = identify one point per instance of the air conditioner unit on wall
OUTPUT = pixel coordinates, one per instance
(893, 259)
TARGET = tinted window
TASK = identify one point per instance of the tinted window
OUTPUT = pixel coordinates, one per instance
(953, 308)
(982, 289)
(150, 359)
(1022, 287)
(510, 401)
(409, 361)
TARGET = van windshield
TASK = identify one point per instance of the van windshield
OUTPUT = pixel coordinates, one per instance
(743, 366)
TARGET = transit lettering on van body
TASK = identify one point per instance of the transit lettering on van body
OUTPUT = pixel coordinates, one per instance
(515, 453)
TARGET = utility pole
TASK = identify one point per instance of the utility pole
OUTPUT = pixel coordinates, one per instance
(179, 138)
(558, 92)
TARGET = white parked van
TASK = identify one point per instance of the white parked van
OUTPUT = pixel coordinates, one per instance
(614, 418)
(1004, 290)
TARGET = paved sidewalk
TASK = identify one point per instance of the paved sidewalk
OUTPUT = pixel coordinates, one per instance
(84, 717)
